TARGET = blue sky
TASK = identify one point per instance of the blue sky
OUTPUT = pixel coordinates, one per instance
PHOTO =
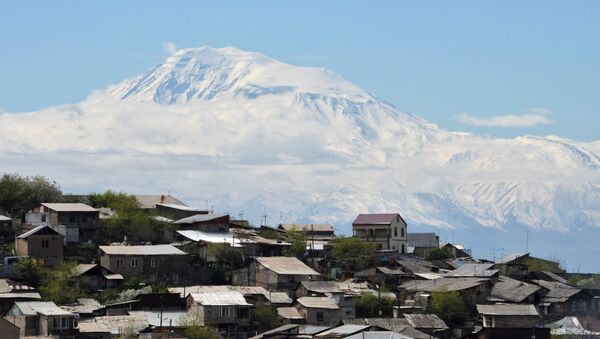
(498, 68)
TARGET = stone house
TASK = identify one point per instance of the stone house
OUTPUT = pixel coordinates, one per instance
(511, 321)
(319, 310)
(97, 277)
(42, 318)
(226, 310)
(275, 273)
(75, 221)
(386, 231)
(513, 265)
(154, 262)
(421, 244)
(342, 296)
(43, 244)
(11, 291)
(472, 290)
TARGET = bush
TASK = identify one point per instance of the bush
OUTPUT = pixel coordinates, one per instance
(447, 305)
(437, 254)
(60, 284)
(267, 317)
(194, 328)
(368, 305)
(19, 194)
(353, 253)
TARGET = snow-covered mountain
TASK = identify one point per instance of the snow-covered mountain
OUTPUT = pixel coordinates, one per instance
(250, 133)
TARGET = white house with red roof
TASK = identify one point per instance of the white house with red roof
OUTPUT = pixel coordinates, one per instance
(387, 230)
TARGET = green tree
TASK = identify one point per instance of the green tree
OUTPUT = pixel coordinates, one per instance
(60, 284)
(369, 305)
(437, 254)
(266, 316)
(298, 241)
(447, 305)
(194, 328)
(19, 194)
(26, 270)
(354, 254)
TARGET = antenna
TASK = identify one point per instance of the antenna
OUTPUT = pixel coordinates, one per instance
(527, 241)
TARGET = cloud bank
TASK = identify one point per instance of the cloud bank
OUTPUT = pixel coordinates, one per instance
(533, 117)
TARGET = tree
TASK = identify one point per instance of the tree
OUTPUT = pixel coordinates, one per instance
(437, 254)
(60, 284)
(298, 241)
(353, 253)
(368, 305)
(19, 194)
(447, 305)
(194, 328)
(26, 270)
(266, 316)
(226, 259)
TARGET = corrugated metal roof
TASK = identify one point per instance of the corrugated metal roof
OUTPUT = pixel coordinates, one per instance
(375, 219)
(150, 201)
(560, 294)
(169, 317)
(286, 265)
(344, 330)
(473, 270)
(513, 290)
(20, 295)
(215, 237)
(142, 250)
(378, 335)
(430, 321)
(308, 227)
(35, 230)
(200, 218)
(40, 307)
(289, 313)
(69, 207)
(423, 240)
(443, 284)
(507, 309)
(182, 208)
(114, 324)
(229, 298)
(318, 302)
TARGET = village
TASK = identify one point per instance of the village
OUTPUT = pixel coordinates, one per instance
(114, 265)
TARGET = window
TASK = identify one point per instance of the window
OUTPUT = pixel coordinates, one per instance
(397, 218)
(402, 232)
(371, 234)
(43, 218)
(71, 218)
(153, 277)
(403, 249)
(84, 218)
(395, 231)
(119, 263)
(45, 243)
(153, 262)
(134, 262)
(320, 317)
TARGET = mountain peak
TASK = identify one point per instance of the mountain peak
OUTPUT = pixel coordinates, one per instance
(206, 73)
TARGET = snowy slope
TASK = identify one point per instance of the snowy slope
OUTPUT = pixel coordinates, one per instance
(248, 132)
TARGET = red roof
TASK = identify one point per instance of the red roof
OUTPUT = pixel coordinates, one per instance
(373, 219)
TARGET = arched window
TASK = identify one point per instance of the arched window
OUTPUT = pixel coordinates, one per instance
(371, 234)
(402, 232)
(395, 231)
(403, 250)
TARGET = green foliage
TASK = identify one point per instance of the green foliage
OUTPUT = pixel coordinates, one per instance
(538, 265)
(298, 241)
(368, 305)
(26, 270)
(266, 316)
(353, 253)
(60, 284)
(437, 254)
(270, 234)
(592, 281)
(19, 194)
(128, 333)
(447, 305)
(195, 329)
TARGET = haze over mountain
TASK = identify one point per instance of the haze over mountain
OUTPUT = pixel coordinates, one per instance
(249, 133)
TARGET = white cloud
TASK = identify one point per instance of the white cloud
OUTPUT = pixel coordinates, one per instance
(534, 117)
(169, 47)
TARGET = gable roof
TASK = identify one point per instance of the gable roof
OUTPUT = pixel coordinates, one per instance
(182, 208)
(376, 219)
(507, 309)
(512, 258)
(318, 302)
(286, 265)
(150, 201)
(508, 289)
(229, 298)
(427, 240)
(69, 207)
(201, 218)
(40, 307)
(307, 227)
(344, 330)
(425, 321)
(443, 284)
(38, 229)
(473, 270)
(142, 250)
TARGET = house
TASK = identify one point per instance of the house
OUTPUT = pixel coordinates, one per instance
(42, 318)
(176, 211)
(97, 277)
(472, 290)
(421, 244)
(228, 311)
(252, 294)
(43, 244)
(148, 202)
(7, 234)
(514, 291)
(75, 221)
(11, 291)
(319, 310)
(386, 231)
(318, 236)
(205, 222)
(391, 276)
(396, 325)
(83, 308)
(411, 265)
(343, 331)
(344, 294)
(274, 273)
(154, 262)
(107, 327)
(514, 265)
(511, 321)
(456, 250)
(427, 323)
(475, 271)
(560, 299)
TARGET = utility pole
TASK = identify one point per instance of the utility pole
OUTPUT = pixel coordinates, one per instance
(312, 249)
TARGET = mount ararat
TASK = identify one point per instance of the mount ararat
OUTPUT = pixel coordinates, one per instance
(249, 133)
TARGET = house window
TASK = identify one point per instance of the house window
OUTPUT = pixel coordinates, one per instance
(403, 249)
(71, 218)
(402, 232)
(320, 317)
(371, 234)
(134, 262)
(153, 262)
(43, 218)
(119, 263)
(45, 243)
(395, 231)
(153, 277)
(397, 218)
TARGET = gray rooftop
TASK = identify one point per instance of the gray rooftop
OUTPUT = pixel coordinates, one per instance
(40, 307)
(443, 284)
(289, 313)
(69, 207)
(4, 218)
(36, 230)
(507, 309)
(318, 302)
(426, 240)
(344, 330)
(512, 290)
(150, 201)
(200, 218)
(473, 270)
(286, 265)
(229, 298)
(378, 335)
(142, 250)
(430, 321)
